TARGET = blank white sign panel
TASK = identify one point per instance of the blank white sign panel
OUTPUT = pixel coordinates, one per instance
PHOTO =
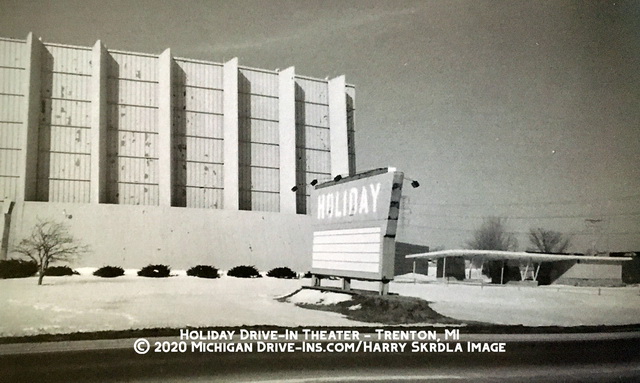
(348, 249)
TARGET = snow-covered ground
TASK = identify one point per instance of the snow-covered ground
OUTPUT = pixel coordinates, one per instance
(553, 305)
(88, 303)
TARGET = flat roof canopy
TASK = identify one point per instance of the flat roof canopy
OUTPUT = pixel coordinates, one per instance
(517, 255)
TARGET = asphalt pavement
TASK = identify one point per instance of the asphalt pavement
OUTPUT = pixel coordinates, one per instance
(611, 357)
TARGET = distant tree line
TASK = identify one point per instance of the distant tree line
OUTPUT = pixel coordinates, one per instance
(493, 235)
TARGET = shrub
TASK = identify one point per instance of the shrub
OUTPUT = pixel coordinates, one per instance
(244, 272)
(59, 271)
(282, 272)
(203, 271)
(155, 271)
(109, 272)
(16, 268)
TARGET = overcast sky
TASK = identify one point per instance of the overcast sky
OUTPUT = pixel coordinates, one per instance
(528, 110)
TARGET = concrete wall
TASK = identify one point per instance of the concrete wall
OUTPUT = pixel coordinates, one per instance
(454, 268)
(631, 270)
(134, 236)
(582, 274)
(403, 265)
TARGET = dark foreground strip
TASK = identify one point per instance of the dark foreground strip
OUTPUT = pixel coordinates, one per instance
(476, 328)
(126, 365)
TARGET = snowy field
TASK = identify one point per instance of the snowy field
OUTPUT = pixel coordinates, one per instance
(554, 305)
(87, 303)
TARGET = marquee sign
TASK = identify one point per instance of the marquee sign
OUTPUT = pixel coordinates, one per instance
(355, 225)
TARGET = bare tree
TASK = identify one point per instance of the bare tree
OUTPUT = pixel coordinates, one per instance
(492, 235)
(548, 241)
(49, 242)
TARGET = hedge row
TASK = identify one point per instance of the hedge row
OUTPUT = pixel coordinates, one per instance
(15, 268)
(20, 269)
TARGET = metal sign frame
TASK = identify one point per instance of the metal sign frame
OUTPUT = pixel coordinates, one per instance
(356, 219)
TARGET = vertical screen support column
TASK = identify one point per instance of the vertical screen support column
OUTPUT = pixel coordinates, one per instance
(231, 199)
(338, 127)
(351, 108)
(165, 123)
(99, 59)
(31, 117)
(287, 135)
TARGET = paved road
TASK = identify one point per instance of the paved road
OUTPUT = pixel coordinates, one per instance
(547, 359)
